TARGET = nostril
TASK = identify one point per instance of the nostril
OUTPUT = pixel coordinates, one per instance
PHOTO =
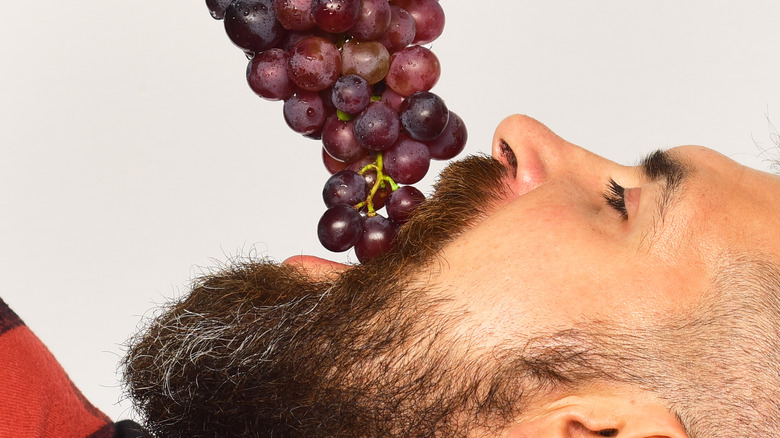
(509, 155)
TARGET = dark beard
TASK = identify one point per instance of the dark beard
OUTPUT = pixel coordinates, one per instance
(259, 349)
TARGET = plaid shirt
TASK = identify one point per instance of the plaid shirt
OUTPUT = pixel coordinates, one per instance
(37, 399)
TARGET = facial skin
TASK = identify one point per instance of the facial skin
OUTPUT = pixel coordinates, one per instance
(554, 253)
(518, 302)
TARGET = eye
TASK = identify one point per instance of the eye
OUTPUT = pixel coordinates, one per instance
(614, 195)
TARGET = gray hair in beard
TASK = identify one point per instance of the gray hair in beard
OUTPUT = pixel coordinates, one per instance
(261, 350)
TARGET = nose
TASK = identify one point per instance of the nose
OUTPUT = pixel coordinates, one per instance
(534, 154)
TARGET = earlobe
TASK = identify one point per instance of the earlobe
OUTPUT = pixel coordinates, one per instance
(316, 267)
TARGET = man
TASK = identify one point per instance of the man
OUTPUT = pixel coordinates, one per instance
(544, 292)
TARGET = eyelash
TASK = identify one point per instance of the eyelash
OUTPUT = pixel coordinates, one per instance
(615, 197)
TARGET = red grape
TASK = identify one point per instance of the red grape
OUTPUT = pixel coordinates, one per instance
(407, 161)
(377, 127)
(304, 112)
(368, 59)
(402, 203)
(267, 75)
(452, 141)
(336, 16)
(339, 228)
(345, 187)
(413, 69)
(338, 139)
(217, 8)
(424, 115)
(331, 164)
(428, 17)
(377, 237)
(315, 63)
(252, 24)
(401, 31)
(373, 20)
(351, 94)
(294, 14)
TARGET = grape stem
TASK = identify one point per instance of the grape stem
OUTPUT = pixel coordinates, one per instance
(381, 181)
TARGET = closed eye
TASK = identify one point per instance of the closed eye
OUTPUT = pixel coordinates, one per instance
(614, 194)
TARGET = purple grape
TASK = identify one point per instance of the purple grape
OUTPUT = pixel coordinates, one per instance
(345, 187)
(377, 237)
(413, 69)
(452, 141)
(267, 75)
(368, 59)
(294, 14)
(351, 94)
(382, 193)
(339, 228)
(338, 139)
(252, 24)
(304, 112)
(401, 31)
(217, 8)
(315, 63)
(335, 16)
(392, 99)
(424, 115)
(402, 203)
(428, 17)
(407, 161)
(377, 127)
(332, 165)
(373, 20)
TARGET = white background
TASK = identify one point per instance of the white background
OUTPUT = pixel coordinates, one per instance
(134, 154)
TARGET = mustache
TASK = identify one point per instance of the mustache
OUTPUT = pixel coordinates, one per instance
(465, 192)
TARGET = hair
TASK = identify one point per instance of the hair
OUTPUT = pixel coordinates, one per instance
(259, 349)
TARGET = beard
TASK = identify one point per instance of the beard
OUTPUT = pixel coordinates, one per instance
(259, 349)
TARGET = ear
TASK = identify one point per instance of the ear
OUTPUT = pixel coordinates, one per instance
(622, 415)
(316, 267)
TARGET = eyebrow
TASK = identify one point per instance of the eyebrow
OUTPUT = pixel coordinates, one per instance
(668, 168)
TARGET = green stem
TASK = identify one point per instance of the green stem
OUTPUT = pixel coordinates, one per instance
(381, 180)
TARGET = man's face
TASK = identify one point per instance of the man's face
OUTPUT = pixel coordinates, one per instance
(555, 252)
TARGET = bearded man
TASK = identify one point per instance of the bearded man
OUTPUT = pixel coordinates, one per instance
(541, 292)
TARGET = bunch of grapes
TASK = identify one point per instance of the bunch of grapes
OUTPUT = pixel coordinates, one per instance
(355, 75)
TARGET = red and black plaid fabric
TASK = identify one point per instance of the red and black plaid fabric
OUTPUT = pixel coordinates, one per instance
(37, 399)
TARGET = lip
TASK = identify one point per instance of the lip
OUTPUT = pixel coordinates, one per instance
(631, 198)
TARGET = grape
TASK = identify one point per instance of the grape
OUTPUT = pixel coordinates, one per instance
(345, 187)
(428, 16)
(353, 74)
(217, 8)
(401, 31)
(403, 202)
(407, 161)
(338, 139)
(336, 16)
(392, 99)
(332, 165)
(452, 141)
(377, 237)
(339, 228)
(304, 112)
(252, 24)
(377, 127)
(315, 63)
(424, 115)
(413, 69)
(351, 94)
(382, 193)
(368, 59)
(373, 20)
(267, 75)
(294, 14)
